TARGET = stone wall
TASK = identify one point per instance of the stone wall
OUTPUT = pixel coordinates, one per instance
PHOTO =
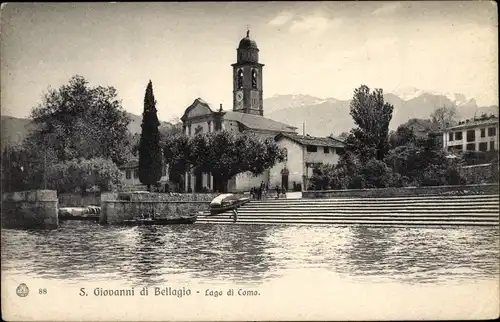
(30, 209)
(117, 207)
(480, 189)
(77, 200)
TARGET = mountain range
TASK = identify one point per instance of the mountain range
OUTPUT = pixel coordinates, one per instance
(324, 116)
(319, 116)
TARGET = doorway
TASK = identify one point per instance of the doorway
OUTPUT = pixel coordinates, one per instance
(284, 181)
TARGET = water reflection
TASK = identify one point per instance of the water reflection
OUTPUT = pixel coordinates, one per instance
(153, 255)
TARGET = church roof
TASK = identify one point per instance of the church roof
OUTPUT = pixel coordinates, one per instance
(257, 122)
(247, 42)
(312, 140)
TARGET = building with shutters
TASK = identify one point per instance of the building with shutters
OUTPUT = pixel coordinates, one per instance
(478, 134)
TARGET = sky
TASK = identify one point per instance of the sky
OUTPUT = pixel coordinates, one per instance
(324, 49)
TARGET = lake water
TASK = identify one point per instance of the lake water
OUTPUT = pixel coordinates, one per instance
(357, 266)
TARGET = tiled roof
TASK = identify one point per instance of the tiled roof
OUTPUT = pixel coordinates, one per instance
(475, 123)
(258, 122)
(313, 140)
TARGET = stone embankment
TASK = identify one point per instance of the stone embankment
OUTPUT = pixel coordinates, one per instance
(118, 207)
(459, 210)
(30, 209)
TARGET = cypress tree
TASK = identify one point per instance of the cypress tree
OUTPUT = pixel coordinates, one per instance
(149, 146)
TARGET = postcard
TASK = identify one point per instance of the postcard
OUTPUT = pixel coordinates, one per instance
(250, 161)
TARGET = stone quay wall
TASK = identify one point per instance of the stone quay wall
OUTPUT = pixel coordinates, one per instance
(478, 189)
(68, 199)
(30, 209)
(117, 207)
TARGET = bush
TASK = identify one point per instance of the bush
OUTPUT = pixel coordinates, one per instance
(375, 174)
(80, 175)
(320, 180)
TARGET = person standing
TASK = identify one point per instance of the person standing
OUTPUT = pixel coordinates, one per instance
(235, 215)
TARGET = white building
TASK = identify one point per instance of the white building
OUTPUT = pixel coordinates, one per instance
(472, 135)
(130, 174)
(304, 153)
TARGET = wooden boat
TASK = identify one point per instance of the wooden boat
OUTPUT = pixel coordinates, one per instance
(160, 221)
(226, 202)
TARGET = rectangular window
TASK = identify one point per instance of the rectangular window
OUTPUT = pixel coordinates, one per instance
(128, 174)
(483, 146)
(163, 170)
(471, 136)
(450, 136)
(483, 133)
(326, 149)
(492, 131)
(471, 147)
(312, 148)
(492, 145)
(136, 173)
(458, 135)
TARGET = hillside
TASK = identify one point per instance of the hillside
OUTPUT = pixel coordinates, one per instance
(14, 130)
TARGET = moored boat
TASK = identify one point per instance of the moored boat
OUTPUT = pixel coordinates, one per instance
(225, 202)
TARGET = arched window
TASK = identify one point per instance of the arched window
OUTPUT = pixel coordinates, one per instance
(254, 78)
(240, 78)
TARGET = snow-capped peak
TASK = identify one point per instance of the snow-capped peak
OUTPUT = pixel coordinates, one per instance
(408, 93)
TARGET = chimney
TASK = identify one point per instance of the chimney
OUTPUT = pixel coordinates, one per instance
(220, 107)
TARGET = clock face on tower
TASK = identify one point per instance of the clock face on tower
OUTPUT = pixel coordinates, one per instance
(239, 96)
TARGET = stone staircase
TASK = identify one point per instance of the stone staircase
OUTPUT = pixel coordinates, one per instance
(471, 210)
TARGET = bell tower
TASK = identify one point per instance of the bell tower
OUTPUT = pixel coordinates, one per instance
(247, 78)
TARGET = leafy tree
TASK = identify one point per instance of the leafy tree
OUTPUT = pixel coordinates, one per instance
(321, 177)
(225, 154)
(150, 158)
(80, 121)
(372, 116)
(343, 175)
(444, 116)
(82, 174)
(424, 162)
(376, 174)
(24, 166)
(402, 136)
(177, 155)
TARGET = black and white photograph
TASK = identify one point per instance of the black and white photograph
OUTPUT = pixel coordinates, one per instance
(250, 161)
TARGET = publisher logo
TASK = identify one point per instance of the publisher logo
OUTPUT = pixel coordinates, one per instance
(22, 290)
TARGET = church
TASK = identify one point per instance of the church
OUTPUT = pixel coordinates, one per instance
(304, 152)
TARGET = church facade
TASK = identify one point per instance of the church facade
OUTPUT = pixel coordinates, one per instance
(247, 115)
